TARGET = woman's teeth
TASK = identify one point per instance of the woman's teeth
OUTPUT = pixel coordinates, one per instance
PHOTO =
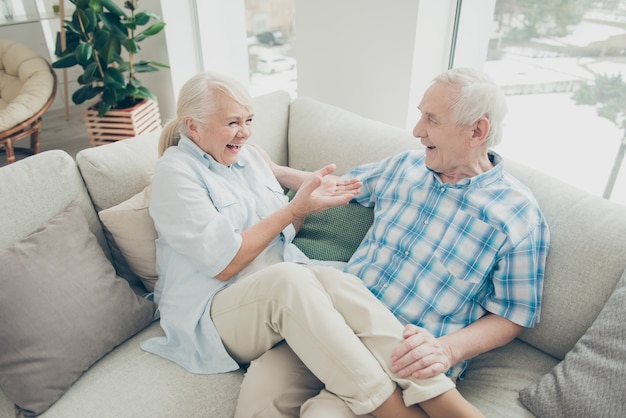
(233, 146)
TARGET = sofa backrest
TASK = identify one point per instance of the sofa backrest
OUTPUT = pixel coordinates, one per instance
(35, 189)
(320, 134)
(588, 247)
(586, 259)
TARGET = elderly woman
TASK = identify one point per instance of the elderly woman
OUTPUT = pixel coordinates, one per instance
(231, 283)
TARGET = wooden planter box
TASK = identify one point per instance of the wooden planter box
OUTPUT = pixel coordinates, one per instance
(122, 124)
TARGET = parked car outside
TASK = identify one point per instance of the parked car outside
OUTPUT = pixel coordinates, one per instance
(275, 63)
(271, 38)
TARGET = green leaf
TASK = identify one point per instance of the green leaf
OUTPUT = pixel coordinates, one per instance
(144, 93)
(70, 26)
(130, 90)
(100, 39)
(113, 8)
(151, 15)
(114, 25)
(142, 18)
(84, 53)
(159, 64)
(145, 68)
(65, 62)
(113, 78)
(96, 5)
(92, 20)
(109, 96)
(85, 93)
(154, 29)
(90, 73)
(129, 5)
(130, 25)
(131, 46)
(123, 65)
(103, 108)
(111, 50)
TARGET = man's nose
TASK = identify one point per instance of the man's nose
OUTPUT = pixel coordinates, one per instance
(418, 130)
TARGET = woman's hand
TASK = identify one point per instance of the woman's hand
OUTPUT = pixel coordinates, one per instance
(321, 191)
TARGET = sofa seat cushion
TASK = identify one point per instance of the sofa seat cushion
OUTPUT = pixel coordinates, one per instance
(129, 383)
(61, 309)
(493, 380)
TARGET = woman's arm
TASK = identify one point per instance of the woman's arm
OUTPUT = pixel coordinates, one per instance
(315, 194)
(292, 179)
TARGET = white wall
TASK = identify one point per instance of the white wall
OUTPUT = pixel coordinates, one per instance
(376, 58)
(357, 54)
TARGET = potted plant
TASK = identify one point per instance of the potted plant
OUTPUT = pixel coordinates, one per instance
(106, 41)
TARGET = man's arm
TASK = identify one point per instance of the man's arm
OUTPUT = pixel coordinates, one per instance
(422, 355)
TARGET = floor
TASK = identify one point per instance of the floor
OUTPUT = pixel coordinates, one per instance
(56, 133)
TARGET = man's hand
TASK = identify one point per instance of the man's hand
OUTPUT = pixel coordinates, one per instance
(335, 186)
(421, 355)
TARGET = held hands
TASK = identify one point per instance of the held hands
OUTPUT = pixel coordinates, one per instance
(421, 355)
(321, 191)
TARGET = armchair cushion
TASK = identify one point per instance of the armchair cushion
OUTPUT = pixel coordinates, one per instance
(26, 83)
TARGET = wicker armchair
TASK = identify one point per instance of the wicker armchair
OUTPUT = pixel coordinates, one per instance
(27, 88)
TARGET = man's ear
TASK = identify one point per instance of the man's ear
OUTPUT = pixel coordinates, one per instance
(480, 129)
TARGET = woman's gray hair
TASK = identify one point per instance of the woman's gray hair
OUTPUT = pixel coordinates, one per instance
(479, 96)
(198, 100)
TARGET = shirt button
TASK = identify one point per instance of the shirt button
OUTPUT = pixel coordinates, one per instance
(443, 189)
(426, 222)
(386, 285)
(406, 253)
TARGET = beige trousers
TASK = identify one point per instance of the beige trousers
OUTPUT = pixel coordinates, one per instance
(331, 321)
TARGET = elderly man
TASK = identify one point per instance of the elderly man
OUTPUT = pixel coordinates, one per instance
(457, 250)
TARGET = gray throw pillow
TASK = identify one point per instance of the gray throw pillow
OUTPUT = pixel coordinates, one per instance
(61, 309)
(591, 379)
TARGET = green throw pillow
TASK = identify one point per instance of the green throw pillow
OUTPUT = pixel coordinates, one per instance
(334, 235)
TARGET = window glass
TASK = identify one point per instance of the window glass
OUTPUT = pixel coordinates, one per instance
(562, 65)
(271, 46)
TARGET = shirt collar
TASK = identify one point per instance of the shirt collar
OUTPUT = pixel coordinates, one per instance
(187, 145)
(484, 179)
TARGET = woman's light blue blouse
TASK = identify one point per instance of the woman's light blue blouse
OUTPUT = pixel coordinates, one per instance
(200, 208)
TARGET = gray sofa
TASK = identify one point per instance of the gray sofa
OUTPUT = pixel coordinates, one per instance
(570, 365)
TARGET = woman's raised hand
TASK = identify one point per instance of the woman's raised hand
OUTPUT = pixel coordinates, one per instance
(322, 190)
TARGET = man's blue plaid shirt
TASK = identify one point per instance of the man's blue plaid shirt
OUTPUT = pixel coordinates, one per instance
(442, 255)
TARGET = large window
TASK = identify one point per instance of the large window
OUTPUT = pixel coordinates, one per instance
(563, 67)
(271, 45)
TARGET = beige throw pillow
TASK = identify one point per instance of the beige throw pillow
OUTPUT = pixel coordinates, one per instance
(134, 233)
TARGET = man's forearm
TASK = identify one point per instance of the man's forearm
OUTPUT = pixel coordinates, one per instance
(489, 332)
